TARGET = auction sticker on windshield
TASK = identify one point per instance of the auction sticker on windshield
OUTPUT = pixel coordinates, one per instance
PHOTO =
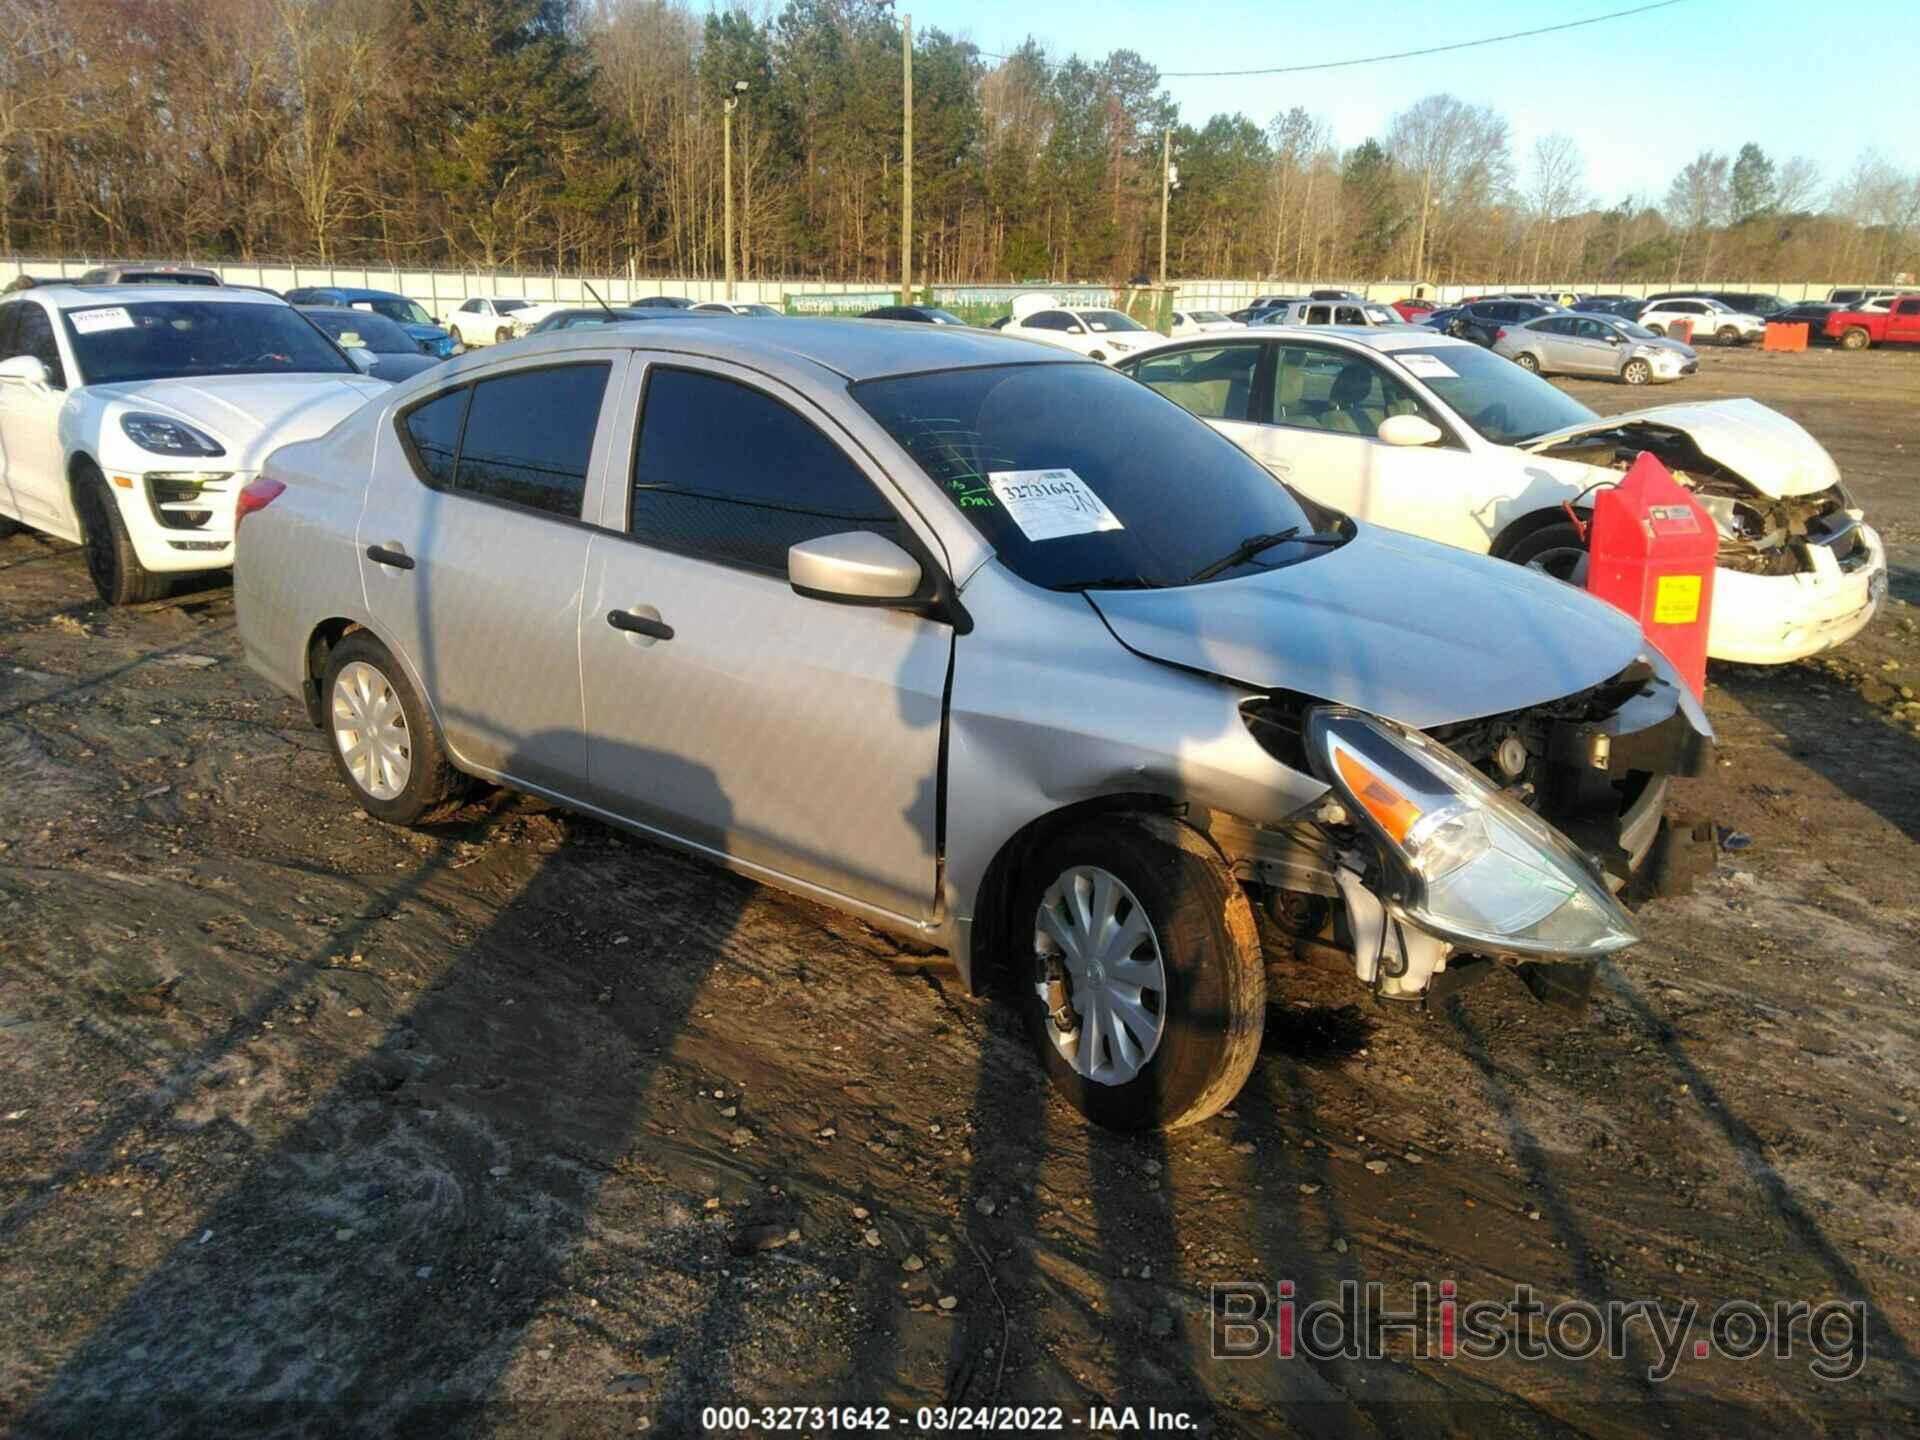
(1429, 367)
(1048, 504)
(92, 322)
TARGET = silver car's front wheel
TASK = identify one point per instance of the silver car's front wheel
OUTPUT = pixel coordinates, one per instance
(370, 729)
(1100, 975)
(1140, 977)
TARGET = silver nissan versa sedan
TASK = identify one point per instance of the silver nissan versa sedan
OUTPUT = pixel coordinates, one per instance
(985, 644)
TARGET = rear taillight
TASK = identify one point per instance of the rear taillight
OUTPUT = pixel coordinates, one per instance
(1501, 333)
(256, 495)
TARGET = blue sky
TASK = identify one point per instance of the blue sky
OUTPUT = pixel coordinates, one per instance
(1641, 95)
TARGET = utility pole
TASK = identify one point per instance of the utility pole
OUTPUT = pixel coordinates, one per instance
(726, 171)
(1169, 177)
(906, 161)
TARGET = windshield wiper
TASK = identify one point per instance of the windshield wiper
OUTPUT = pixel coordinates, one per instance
(1254, 544)
(1117, 582)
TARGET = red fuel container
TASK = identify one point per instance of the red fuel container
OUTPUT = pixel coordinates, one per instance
(1651, 552)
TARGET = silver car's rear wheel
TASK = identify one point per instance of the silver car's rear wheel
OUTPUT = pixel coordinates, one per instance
(370, 730)
(1526, 361)
(1100, 975)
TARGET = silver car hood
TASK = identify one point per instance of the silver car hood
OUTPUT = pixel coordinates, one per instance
(1762, 446)
(1399, 627)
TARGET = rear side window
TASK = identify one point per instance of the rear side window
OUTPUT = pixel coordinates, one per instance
(727, 473)
(1214, 383)
(524, 438)
(529, 435)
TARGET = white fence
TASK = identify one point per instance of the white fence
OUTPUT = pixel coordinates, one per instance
(442, 291)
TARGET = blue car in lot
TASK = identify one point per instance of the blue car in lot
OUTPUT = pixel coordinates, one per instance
(409, 315)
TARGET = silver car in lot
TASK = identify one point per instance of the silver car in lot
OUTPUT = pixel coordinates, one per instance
(1595, 345)
(985, 644)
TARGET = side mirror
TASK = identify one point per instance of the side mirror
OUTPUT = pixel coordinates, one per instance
(363, 360)
(1076, 329)
(24, 370)
(1409, 430)
(854, 568)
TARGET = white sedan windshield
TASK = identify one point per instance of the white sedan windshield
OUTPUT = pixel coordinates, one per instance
(1504, 403)
(1104, 320)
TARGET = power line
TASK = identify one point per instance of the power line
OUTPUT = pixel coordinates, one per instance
(1399, 54)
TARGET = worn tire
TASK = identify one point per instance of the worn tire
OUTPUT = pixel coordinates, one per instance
(1636, 372)
(1526, 361)
(1214, 1002)
(501, 337)
(112, 564)
(1727, 335)
(1658, 329)
(434, 789)
(1855, 338)
(1548, 539)
(453, 333)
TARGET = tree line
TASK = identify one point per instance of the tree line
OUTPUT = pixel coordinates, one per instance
(585, 135)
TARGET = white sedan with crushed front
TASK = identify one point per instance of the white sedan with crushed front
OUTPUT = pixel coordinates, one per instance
(132, 415)
(1442, 439)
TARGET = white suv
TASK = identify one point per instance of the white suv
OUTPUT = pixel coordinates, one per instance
(131, 416)
(1710, 320)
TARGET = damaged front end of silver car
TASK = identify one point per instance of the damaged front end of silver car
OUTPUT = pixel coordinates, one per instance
(1441, 856)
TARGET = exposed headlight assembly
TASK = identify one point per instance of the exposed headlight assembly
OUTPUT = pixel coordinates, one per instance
(1463, 861)
(163, 435)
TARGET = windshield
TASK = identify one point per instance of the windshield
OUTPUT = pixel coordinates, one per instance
(939, 317)
(507, 307)
(1379, 315)
(156, 340)
(1633, 331)
(1206, 317)
(1104, 320)
(1503, 402)
(1080, 477)
(365, 331)
(395, 308)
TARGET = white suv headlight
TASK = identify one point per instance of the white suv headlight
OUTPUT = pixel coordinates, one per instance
(163, 435)
(1464, 861)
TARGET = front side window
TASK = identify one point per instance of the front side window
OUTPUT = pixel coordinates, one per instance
(35, 337)
(529, 435)
(161, 339)
(1132, 492)
(725, 472)
(1215, 383)
(1502, 402)
(1317, 389)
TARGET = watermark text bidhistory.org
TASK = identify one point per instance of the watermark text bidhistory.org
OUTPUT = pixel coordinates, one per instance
(1253, 1321)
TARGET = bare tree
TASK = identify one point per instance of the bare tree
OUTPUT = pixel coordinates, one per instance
(1697, 201)
(1457, 156)
(1556, 187)
(1797, 186)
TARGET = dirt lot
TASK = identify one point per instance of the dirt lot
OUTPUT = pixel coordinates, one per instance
(521, 1127)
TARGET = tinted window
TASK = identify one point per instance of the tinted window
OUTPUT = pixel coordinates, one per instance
(529, 435)
(1215, 383)
(727, 473)
(1050, 320)
(1182, 496)
(154, 340)
(1551, 327)
(9, 315)
(434, 430)
(1349, 315)
(1317, 315)
(34, 336)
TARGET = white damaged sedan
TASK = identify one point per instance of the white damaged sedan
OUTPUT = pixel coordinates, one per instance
(1442, 439)
(131, 416)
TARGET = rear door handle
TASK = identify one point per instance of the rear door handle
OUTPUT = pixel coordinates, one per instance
(383, 555)
(639, 624)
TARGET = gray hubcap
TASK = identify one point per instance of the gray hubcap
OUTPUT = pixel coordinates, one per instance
(371, 730)
(1093, 939)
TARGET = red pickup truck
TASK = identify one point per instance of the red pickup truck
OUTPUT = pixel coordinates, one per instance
(1857, 329)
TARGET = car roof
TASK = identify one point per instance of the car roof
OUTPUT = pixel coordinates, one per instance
(352, 292)
(853, 349)
(1384, 338)
(71, 295)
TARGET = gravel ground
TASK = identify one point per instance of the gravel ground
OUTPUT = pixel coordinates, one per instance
(519, 1126)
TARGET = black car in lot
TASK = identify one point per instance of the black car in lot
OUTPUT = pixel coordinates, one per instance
(396, 355)
(1625, 307)
(1810, 313)
(1482, 321)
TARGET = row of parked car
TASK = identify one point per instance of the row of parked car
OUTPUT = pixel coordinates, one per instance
(1086, 660)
